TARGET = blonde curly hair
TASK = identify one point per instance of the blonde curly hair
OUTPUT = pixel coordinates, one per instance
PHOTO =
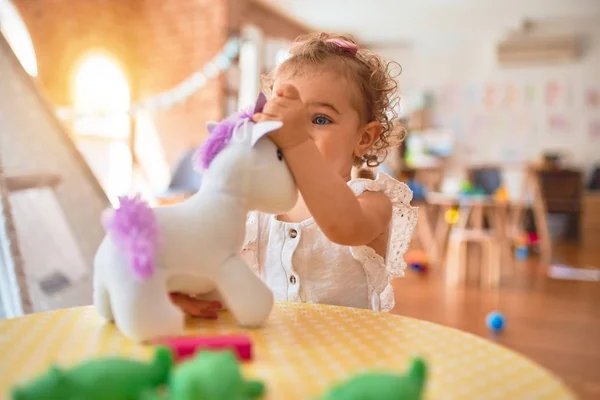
(374, 78)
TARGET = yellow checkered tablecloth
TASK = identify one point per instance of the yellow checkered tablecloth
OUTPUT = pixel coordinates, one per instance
(302, 350)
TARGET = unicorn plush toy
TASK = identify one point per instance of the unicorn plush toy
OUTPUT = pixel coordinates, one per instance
(192, 247)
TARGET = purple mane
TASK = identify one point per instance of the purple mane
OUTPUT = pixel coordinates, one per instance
(221, 134)
(134, 229)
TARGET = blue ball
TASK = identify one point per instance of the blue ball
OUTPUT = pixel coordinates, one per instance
(495, 321)
(522, 252)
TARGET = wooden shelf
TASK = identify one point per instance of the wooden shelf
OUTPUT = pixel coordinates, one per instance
(31, 181)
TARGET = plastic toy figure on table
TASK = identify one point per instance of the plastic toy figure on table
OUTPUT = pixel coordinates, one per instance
(212, 376)
(191, 247)
(383, 386)
(468, 190)
(208, 376)
(100, 379)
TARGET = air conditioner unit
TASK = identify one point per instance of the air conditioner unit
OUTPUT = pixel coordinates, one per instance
(528, 49)
(534, 44)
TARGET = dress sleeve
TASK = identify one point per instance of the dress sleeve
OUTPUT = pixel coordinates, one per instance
(402, 225)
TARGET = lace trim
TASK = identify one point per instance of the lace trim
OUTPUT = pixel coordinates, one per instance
(402, 225)
(250, 248)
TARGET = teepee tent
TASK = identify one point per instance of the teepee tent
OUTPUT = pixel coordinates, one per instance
(50, 222)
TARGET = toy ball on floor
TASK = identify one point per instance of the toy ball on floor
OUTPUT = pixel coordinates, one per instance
(418, 267)
(495, 321)
(522, 252)
(417, 260)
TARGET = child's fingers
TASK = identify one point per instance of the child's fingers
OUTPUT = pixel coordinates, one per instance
(260, 117)
(196, 307)
(272, 109)
(207, 314)
(282, 102)
(288, 91)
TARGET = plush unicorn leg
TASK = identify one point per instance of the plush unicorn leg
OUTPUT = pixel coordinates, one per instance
(102, 300)
(145, 310)
(246, 296)
(141, 309)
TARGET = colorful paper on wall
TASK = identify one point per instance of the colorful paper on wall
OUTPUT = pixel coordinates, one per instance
(558, 94)
(553, 92)
(510, 95)
(530, 94)
(558, 124)
(594, 129)
(592, 98)
(489, 96)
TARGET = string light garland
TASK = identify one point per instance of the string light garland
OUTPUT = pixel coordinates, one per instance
(177, 94)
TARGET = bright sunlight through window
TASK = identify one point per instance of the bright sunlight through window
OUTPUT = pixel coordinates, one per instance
(101, 100)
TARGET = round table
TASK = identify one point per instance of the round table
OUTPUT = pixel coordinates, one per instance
(302, 350)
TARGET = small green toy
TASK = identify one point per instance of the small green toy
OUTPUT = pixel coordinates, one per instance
(383, 386)
(212, 376)
(100, 379)
(466, 188)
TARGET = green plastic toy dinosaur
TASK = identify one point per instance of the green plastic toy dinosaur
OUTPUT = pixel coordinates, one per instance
(100, 379)
(383, 386)
(212, 376)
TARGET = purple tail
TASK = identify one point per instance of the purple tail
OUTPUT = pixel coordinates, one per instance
(134, 230)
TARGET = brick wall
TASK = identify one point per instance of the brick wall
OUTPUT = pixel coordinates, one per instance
(158, 43)
(178, 38)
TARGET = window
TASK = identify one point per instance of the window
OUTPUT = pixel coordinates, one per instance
(250, 66)
(102, 126)
(14, 30)
(281, 56)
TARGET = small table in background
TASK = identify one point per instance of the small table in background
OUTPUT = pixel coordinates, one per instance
(471, 213)
(299, 354)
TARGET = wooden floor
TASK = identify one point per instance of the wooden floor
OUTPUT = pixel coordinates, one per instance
(555, 323)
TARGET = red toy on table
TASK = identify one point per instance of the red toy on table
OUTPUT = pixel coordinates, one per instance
(186, 346)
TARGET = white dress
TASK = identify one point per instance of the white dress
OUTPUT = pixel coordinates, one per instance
(299, 263)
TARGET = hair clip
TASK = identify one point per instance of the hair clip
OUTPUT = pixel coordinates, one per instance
(348, 47)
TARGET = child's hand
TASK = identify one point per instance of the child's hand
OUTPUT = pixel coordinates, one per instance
(196, 307)
(288, 108)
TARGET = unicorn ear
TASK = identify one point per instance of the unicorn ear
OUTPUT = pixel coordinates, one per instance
(210, 125)
(263, 128)
(260, 103)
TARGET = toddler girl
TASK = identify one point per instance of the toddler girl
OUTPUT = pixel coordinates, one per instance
(345, 238)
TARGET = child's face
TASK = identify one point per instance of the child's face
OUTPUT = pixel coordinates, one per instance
(334, 124)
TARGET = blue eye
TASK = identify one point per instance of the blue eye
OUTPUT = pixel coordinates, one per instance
(321, 120)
